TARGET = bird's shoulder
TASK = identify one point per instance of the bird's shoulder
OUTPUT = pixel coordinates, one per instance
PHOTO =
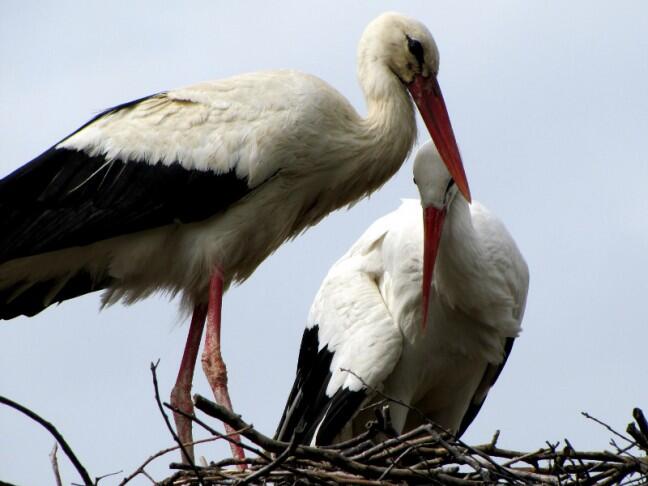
(274, 88)
(242, 123)
(390, 233)
(403, 246)
(352, 316)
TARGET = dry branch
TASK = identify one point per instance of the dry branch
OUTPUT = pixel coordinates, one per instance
(57, 435)
(55, 466)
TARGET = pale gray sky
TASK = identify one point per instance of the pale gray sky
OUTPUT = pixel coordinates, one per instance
(549, 102)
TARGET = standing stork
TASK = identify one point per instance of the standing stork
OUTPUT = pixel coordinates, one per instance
(367, 317)
(189, 190)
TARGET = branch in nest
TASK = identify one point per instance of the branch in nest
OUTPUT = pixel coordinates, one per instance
(421, 456)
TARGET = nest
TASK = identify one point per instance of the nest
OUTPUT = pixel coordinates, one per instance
(425, 455)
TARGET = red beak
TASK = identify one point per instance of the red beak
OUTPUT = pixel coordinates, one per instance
(432, 225)
(429, 100)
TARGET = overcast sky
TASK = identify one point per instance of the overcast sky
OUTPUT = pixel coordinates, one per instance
(549, 102)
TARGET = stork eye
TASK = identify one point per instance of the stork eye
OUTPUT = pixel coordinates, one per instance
(416, 49)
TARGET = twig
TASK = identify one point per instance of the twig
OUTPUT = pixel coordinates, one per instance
(55, 466)
(185, 454)
(221, 413)
(637, 436)
(641, 421)
(600, 422)
(363, 446)
(640, 434)
(353, 442)
(495, 438)
(394, 463)
(59, 438)
(270, 467)
(140, 470)
(148, 476)
(570, 449)
(104, 476)
(421, 429)
(217, 434)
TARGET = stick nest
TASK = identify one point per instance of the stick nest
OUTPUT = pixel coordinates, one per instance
(426, 455)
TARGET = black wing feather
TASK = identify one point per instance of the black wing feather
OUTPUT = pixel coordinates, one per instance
(65, 198)
(309, 409)
(475, 406)
(14, 303)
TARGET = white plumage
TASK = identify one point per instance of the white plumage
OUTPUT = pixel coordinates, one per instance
(214, 127)
(189, 190)
(367, 318)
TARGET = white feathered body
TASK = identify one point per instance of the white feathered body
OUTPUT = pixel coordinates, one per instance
(302, 148)
(369, 312)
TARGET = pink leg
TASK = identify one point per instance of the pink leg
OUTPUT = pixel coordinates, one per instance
(181, 393)
(212, 360)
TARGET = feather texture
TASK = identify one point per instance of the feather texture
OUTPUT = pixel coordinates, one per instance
(367, 316)
(152, 194)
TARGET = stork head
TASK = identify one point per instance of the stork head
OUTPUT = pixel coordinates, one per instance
(406, 47)
(437, 190)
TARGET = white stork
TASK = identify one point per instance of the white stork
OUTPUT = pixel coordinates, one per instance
(367, 317)
(189, 190)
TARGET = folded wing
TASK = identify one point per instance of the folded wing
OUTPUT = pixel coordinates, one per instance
(349, 348)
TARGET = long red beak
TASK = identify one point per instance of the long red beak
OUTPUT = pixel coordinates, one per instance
(432, 225)
(427, 96)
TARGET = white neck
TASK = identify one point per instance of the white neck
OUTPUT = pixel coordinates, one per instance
(390, 111)
(367, 152)
(375, 147)
(469, 273)
(460, 261)
(389, 130)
